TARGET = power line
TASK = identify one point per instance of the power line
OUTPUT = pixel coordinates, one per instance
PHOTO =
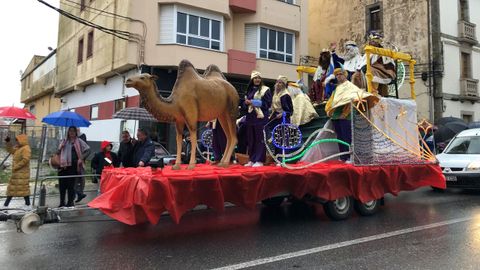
(124, 35)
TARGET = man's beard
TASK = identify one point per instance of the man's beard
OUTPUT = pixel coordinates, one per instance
(351, 53)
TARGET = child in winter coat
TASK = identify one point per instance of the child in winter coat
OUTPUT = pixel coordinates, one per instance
(99, 160)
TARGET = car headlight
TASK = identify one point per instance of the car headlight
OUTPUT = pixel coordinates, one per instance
(473, 166)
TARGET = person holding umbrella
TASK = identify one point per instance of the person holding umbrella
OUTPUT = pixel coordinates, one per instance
(18, 185)
(73, 152)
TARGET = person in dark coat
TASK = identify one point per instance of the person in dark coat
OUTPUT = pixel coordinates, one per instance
(219, 140)
(99, 160)
(281, 104)
(125, 151)
(80, 181)
(144, 149)
(241, 136)
(73, 152)
(257, 101)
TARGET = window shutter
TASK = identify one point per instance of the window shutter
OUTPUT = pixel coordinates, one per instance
(167, 24)
(251, 43)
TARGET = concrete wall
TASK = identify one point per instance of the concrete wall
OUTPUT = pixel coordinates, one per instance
(43, 106)
(108, 52)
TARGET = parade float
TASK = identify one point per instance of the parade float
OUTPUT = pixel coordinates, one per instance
(386, 155)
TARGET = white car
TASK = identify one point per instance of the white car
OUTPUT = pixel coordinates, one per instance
(460, 161)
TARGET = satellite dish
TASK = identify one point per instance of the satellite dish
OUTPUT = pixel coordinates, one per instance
(29, 223)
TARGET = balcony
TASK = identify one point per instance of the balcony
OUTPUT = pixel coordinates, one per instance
(243, 6)
(469, 89)
(466, 31)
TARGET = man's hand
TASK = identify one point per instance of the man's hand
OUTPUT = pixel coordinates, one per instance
(333, 46)
(248, 102)
(141, 164)
(279, 116)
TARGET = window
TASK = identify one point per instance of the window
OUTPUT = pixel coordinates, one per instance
(94, 112)
(32, 109)
(467, 117)
(463, 10)
(80, 51)
(276, 45)
(288, 1)
(90, 44)
(466, 70)
(374, 17)
(198, 31)
(119, 105)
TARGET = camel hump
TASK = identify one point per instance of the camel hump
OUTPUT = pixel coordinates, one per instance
(184, 64)
(213, 71)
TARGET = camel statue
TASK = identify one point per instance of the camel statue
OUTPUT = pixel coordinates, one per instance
(194, 98)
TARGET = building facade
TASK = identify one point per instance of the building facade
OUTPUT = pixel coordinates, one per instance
(154, 36)
(441, 35)
(404, 25)
(38, 83)
(460, 50)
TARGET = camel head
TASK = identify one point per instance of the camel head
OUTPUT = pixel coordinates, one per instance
(141, 82)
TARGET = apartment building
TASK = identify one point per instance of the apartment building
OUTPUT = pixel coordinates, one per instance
(38, 83)
(154, 36)
(460, 52)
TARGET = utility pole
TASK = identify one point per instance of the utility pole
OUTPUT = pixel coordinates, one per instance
(437, 60)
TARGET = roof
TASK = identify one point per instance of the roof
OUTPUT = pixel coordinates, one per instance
(469, 132)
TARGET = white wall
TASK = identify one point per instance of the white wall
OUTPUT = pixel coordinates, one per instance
(449, 17)
(97, 93)
(476, 65)
(474, 6)
(451, 74)
(455, 108)
(102, 129)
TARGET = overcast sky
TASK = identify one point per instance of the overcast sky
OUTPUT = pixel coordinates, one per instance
(28, 28)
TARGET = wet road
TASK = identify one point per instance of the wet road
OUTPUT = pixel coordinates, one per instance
(416, 230)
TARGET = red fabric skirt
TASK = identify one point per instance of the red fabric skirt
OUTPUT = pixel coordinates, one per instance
(139, 195)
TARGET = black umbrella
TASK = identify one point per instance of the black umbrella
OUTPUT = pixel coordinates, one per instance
(134, 113)
(474, 124)
(448, 119)
(449, 130)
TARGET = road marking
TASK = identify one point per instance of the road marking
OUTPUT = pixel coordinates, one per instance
(304, 252)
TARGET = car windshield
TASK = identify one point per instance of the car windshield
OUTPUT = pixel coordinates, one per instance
(464, 145)
(160, 150)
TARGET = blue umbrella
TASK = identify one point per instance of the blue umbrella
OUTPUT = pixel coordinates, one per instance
(66, 119)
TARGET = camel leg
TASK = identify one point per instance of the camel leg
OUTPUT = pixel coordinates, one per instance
(179, 126)
(229, 128)
(192, 127)
(225, 159)
(231, 123)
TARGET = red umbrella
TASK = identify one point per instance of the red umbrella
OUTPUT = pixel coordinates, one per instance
(15, 112)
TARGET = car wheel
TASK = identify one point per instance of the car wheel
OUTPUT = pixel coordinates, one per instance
(339, 209)
(273, 202)
(368, 208)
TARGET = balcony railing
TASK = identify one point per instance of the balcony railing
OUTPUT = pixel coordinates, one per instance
(469, 88)
(466, 31)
